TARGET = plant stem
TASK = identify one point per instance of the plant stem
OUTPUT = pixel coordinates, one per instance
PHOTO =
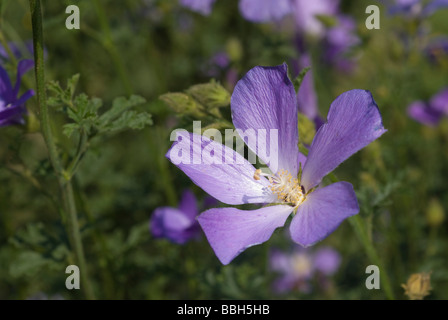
(361, 231)
(70, 215)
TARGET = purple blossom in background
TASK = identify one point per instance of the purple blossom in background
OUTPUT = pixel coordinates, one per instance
(178, 225)
(306, 14)
(297, 268)
(264, 10)
(12, 107)
(437, 49)
(16, 50)
(430, 113)
(216, 64)
(415, 8)
(203, 7)
(263, 100)
(338, 42)
(306, 95)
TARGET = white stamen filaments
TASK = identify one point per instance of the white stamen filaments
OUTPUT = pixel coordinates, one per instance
(284, 186)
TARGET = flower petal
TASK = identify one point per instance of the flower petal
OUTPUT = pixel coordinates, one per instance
(439, 102)
(264, 103)
(322, 212)
(423, 113)
(264, 10)
(230, 231)
(22, 67)
(353, 121)
(188, 204)
(203, 7)
(218, 170)
(171, 223)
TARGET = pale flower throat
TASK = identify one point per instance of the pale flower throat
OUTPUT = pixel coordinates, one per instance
(284, 186)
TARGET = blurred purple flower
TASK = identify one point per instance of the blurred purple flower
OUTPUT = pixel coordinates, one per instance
(430, 113)
(178, 225)
(339, 40)
(437, 49)
(264, 10)
(203, 7)
(306, 95)
(12, 108)
(16, 50)
(298, 267)
(306, 14)
(263, 100)
(415, 8)
(216, 64)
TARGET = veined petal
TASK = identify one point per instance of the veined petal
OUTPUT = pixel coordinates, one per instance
(218, 170)
(263, 104)
(353, 121)
(230, 231)
(322, 212)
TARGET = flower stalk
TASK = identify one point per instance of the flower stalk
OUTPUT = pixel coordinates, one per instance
(69, 217)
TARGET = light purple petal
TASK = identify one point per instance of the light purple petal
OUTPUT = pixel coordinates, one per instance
(218, 170)
(264, 100)
(306, 12)
(421, 112)
(203, 7)
(322, 212)
(188, 205)
(230, 231)
(264, 10)
(327, 260)
(439, 102)
(353, 121)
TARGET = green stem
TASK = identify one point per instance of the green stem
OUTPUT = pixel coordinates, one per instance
(65, 185)
(361, 231)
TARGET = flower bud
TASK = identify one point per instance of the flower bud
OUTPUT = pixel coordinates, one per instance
(211, 95)
(182, 104)
(418, 286)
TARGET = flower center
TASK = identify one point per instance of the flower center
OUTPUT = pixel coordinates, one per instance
(284, 186)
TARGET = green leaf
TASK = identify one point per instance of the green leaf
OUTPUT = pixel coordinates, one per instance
(120, 105)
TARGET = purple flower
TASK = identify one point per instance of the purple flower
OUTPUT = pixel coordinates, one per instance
(264, 100)
(12, 107)
(178, 225)
(415, 8)
(338, 42)
(264, 10)
(306, 95)
(203, 7)
(306, 14)
(16, 50)
(297, 268)
(430, 113)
